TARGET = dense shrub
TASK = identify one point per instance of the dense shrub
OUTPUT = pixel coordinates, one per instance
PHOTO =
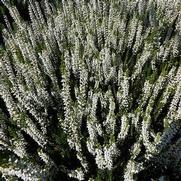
(91, 90)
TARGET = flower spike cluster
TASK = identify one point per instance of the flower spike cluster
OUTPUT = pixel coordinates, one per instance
(91, 90)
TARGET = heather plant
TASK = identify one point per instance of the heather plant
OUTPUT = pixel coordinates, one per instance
(91, 90)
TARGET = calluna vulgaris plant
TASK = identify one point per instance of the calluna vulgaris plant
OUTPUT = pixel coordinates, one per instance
(91, 90)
